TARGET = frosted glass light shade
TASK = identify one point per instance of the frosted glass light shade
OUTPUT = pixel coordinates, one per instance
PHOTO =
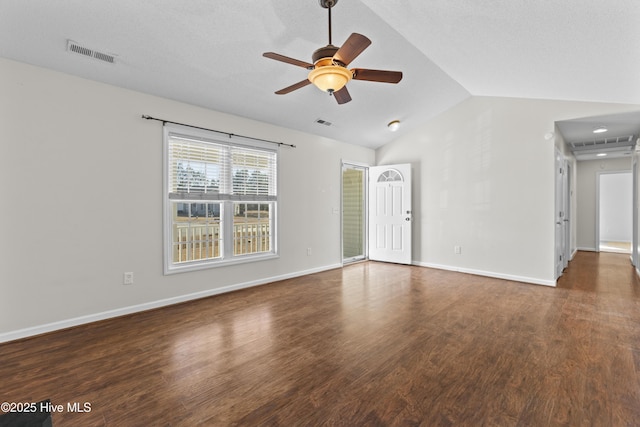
(330, 78)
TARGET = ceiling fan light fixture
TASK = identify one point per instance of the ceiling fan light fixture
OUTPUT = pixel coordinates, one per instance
(394, 125)
(330, 78)
(329, 71)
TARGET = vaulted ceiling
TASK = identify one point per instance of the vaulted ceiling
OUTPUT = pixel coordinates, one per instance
(209, 53)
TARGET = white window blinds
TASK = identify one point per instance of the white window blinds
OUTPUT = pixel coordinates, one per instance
(201, 169)
(253, 174)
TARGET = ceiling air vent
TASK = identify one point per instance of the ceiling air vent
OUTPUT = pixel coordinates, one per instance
(323, 122)
(85, 51)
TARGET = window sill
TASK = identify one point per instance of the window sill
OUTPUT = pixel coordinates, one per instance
(195, 266)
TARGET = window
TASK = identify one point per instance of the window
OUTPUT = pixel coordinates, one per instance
(354, 212)
(220, 199)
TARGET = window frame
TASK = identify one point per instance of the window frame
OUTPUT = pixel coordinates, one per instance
(226, 203)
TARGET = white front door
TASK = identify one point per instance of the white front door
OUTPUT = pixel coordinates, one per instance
(390, 213)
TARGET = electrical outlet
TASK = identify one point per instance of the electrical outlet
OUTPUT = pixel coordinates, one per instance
(308, 251)
(128, 278)
(457, 250)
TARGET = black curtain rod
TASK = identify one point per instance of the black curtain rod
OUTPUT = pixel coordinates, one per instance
(217, 131)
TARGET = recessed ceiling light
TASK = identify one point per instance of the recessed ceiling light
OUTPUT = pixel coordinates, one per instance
(600, 129)
(394, 125)
(601, 154)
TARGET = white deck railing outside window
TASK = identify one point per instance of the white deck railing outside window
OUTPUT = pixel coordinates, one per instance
(193, 241)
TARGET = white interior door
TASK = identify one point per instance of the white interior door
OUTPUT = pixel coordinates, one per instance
(560, 216)
(390, 213)
(566, 220)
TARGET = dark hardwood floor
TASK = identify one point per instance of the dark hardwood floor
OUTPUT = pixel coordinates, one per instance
(371, 344)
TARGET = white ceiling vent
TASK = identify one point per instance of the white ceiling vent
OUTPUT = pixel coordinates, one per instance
(619, 141)
(91, 53)
(323, 122)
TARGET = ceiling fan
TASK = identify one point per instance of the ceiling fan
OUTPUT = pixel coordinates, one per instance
(329, 70)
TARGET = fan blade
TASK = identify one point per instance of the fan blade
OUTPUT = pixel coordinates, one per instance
(282, 58)
(382, 76)
(293, 87)
(351, 48)
(342, 96)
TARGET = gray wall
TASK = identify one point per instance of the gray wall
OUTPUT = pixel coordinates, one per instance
(82, 188)
(484, 180)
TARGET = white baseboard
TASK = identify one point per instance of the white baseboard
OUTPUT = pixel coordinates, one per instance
(514, 278)
(587, 249)
(76, 321)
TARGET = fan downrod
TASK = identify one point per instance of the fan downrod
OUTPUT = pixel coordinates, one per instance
(328, 4)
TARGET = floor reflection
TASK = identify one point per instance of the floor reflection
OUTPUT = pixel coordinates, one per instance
(619, 247)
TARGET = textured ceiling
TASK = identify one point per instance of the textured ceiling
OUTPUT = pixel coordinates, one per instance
(583, 50)
(209, 53)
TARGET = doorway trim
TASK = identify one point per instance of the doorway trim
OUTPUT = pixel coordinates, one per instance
(365, 203)
(562, 217)
(634, 212)
(598, 175)
(390, 213)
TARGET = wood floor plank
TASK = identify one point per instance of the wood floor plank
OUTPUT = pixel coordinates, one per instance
(368, 344)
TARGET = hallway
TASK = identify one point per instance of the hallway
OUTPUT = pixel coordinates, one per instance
(610, 275)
